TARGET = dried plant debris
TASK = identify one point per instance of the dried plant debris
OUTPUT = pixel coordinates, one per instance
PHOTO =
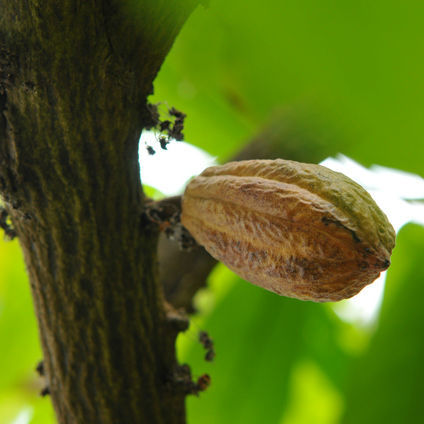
(166, 214)
(166, 129)
(176, 129)
(153, 116)
(165, 125)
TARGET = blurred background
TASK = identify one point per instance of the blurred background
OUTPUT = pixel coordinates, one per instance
(317, 78)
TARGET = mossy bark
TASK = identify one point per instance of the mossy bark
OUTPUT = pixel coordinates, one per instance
(74, 79)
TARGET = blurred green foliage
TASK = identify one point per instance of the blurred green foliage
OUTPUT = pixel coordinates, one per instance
(19, 346)
(351, 69)
(386, 383)
(351, 75)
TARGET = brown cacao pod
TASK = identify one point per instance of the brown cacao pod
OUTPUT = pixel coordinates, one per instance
(297, 229)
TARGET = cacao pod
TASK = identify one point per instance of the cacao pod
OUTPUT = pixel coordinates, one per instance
(299, 230)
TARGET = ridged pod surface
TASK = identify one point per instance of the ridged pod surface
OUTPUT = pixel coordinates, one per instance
(299, 230)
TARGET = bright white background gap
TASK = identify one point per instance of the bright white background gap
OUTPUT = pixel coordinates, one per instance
(169, 170)
(24, 416)
(399, 194)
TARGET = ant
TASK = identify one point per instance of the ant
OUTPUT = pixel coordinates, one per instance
(183, 377)
(207, 343)
(151, 150)
(203, 382)
(163, 142)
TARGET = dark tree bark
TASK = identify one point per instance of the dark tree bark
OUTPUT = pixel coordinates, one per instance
(74, 79)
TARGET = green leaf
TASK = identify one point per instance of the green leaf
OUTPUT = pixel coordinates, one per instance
(18, 331)
(20, 351)
(349, 71)
(261, 342)
(387, 383)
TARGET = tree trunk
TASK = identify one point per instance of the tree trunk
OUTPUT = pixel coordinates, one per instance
(74, 78)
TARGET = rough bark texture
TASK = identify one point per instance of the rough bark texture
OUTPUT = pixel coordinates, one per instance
(74, 77)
